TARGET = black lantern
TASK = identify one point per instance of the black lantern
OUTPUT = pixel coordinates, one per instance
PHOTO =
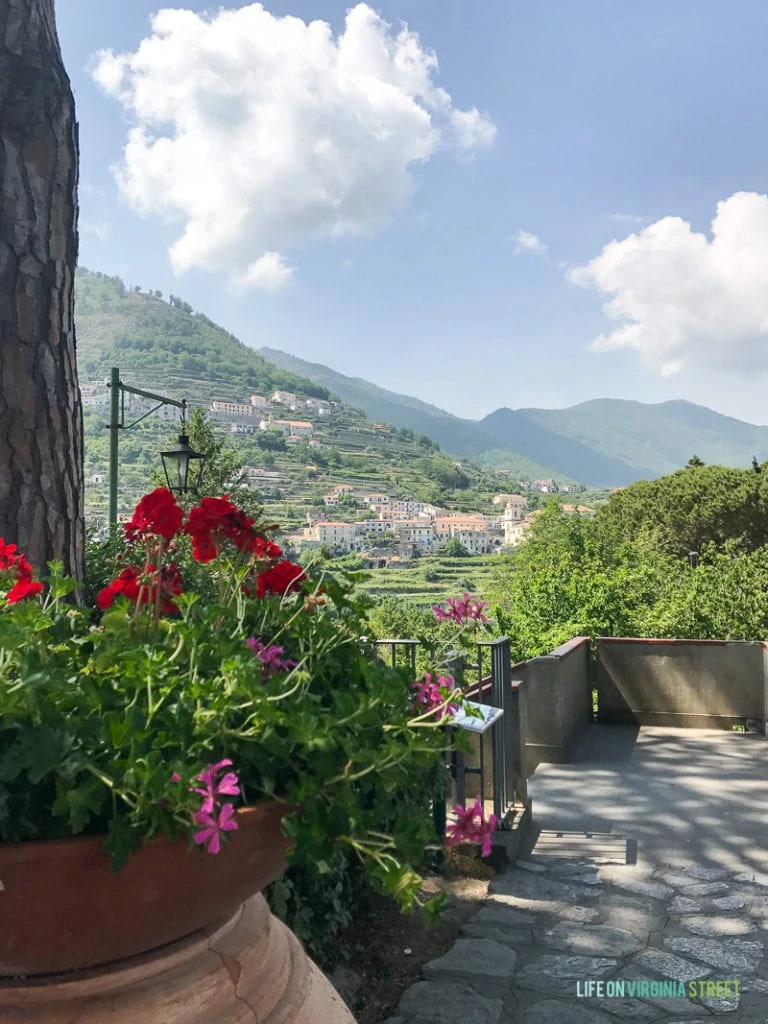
(183, 466)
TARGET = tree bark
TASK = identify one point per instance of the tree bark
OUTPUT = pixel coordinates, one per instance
(41, 428)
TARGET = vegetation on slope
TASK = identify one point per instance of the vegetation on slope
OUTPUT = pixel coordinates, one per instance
(656, 439)
(167, 345)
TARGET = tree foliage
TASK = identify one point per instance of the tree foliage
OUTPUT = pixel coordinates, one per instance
(626, 571)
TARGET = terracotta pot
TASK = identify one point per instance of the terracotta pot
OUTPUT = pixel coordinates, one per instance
(250, 969)
(62, 907)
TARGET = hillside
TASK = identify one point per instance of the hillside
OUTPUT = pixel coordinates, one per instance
(607, 442)
(176, 352)
(461, 437)
(655, 439)
(167, 346)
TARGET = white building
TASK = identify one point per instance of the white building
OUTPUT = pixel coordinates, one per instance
(339, 536)
(223, 411)
(259, 401)
(243, 428)
(284, 398)
(289, 428)
(319, 405)
(516, 500)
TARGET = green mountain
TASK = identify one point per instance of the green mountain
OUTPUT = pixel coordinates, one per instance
(607, 442)
(164, 346)
(168, 346)
(453, 434)
(655, 439)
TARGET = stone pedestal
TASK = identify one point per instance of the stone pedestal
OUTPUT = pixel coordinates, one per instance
(251, 969)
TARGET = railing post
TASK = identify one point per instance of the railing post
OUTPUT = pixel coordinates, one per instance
(503, 772)
(516, 719)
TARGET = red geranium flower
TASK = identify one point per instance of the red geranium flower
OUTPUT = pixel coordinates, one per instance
(157, 513)
(280, 579)
(142, 589)
(216, 520)
(15, 565)
(24, 588)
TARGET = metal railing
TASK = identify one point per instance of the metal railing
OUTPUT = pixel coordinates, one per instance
(497, 759)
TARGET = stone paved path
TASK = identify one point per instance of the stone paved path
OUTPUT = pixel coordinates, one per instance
(553, 921)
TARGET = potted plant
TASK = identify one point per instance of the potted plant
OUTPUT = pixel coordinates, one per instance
(162, 753)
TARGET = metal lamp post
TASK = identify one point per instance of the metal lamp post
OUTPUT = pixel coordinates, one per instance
(181, 457)
(183, 466)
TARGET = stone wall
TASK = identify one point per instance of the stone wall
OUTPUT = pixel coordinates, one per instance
(558, 697)
(689, 683)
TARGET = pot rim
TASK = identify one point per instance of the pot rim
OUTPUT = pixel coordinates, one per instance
(43, 847)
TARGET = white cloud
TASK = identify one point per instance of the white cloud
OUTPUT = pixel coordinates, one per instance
(527, 242)
(680, 295)
(99, 229)
(625, 218)
(473, 130)
(269, 271)
(261, 132)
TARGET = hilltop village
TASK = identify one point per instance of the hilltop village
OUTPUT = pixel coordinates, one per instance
(355, 518)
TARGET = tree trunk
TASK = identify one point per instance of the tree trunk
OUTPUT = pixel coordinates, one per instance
(41, 428)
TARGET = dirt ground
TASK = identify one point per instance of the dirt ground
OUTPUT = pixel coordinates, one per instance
(386, 950)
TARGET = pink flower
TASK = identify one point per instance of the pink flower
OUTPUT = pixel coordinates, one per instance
(462, 610)
(214, 826)
(270, 657)
(175, 777)
(214, 787)
(471, 826)
(434, 694)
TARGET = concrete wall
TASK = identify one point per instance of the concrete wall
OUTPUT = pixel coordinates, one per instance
(558, 697)
(689, 683)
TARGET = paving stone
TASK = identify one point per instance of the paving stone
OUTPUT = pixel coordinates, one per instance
(678, 879)
(627, 1009)
(704, 873)
(552, 1011)
(673, 967)
(729, 903)
(728, 954)
(717, 925)
(582, 914)
(759, 908)
(569, 865)
(553, 973)
(723, 1005)
(533, 888)
(539, 907)
(753, 877)
(631, 913)
(590, 939)
(684, 905)
(475, 959)
(706, 889)
(530, 865)
(610, 872)
(755, 985)
(687, 1020)
(502, 916)
(645, 887)
(508, 936)
(442, 1002)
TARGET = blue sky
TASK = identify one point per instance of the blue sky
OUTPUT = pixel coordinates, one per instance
(594, 122)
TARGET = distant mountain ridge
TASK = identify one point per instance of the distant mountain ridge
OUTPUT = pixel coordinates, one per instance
(607, 442)
(455, 435)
